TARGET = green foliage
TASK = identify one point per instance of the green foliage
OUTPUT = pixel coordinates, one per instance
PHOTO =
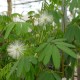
(74, 4)
(5, 71)
(53, 48)
(15, 15)
(50, 53)
(69, 72)
(56, 57)
(23, 66)
(72, 33)
(48, 76)
(9, 28)
(19, 28)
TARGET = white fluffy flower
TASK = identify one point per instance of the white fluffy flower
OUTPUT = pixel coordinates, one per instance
(64, 78)
(15, 49)
(17, 19)
(45, 18)
(36, 22)
(29, 30)
(53, 24)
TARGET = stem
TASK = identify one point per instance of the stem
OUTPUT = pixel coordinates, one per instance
(62, 64)
(78, 69)
(64, 24)
(64, 18)
(41, 37)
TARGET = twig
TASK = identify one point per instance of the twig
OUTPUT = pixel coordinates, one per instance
(27, 2)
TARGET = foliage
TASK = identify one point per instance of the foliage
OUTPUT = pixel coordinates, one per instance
(51, 49)
(50, 54)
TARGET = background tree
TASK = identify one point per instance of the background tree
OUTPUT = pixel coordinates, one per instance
(9, 11)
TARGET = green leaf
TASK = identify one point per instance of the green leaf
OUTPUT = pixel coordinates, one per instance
(41, 47)
(1, 27)
(57, 77)
(73, 4)
(57, 16)
(18, 28)
(72, 33)
(59, 40)
(65, 44)
(9, 29)
(46, 75)
(5, 70)
(69, 72)
(25, 27)
(31, 13)
(27, 66)
(69, 34)
(16, 14)
(20, 67)
(42, 54)
(56, 57)
(12, 70)
(33, 59)
(79, 3)
(77, 34)
(50, 39)
(67, 50)
(48, 54)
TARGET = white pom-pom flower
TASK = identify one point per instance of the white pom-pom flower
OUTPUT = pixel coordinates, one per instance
(45, 18)
(36, 22)
(64, 78)
(16, 49)
(29, 30)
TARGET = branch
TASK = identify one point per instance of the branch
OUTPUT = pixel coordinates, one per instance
(27, 2)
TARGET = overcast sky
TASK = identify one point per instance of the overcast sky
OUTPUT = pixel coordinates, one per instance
(20, 8)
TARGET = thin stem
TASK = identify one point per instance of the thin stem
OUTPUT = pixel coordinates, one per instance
(62, 64)
(64, 16)
(64, 24)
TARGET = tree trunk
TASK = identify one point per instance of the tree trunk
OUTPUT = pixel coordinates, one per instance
(78, 69)
(9, 2)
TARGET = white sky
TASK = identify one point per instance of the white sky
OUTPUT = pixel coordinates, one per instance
(20, 8)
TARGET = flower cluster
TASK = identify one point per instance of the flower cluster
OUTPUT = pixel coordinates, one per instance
(44, 19)
(16, 49)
